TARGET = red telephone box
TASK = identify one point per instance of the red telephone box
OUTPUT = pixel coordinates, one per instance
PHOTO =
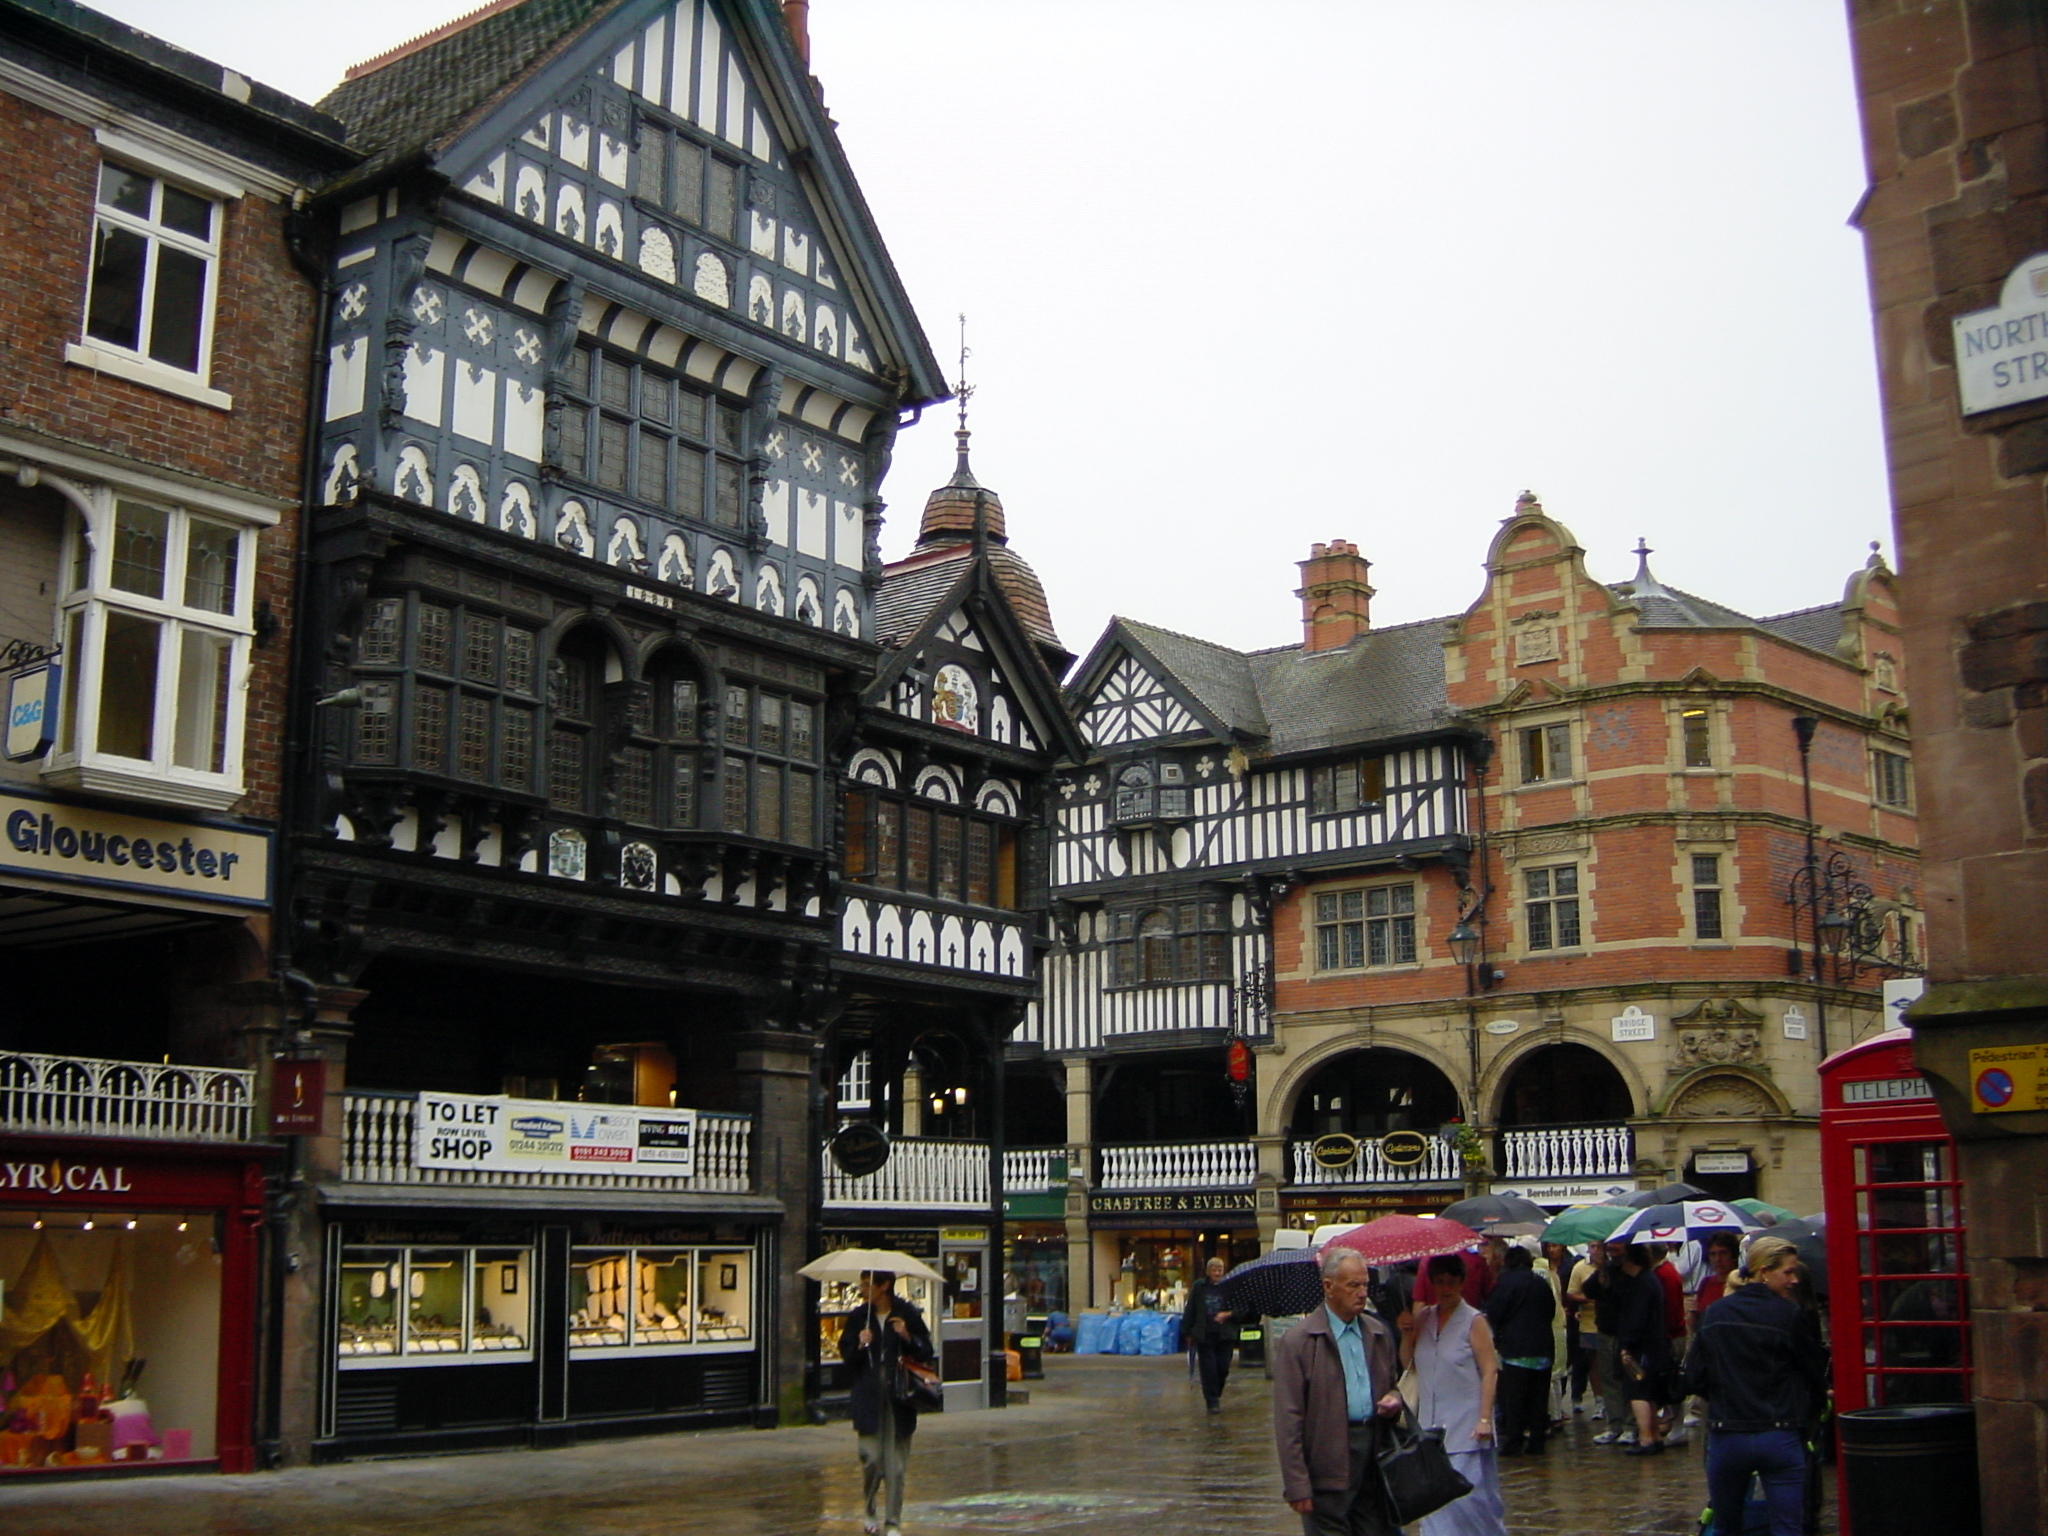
(1898, 1304)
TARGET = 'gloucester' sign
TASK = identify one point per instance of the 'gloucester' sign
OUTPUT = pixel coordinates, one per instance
(83, 845)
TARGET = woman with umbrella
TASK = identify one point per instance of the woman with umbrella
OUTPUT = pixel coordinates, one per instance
(879, 1333)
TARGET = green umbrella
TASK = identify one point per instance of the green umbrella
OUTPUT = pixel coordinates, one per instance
(1763, 1210)
(1585, 1224)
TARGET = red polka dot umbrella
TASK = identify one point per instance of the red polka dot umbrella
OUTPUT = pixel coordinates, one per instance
(1397, 1239)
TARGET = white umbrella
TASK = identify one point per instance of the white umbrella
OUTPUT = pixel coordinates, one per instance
(852, 1263)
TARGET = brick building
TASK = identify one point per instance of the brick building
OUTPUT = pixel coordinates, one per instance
(156, 320)
(1596, 791)
(1955, 131)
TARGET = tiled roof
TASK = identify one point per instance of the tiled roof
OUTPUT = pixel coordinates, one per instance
(1820, 628)
(423, 96)
(913, 587)
(1386, 683)
(1668, 608)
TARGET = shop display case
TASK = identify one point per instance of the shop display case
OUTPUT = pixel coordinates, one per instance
(423, 1306)
(836, 1298)
(654, 1299)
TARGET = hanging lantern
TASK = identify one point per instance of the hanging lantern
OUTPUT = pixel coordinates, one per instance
(1239, 1062)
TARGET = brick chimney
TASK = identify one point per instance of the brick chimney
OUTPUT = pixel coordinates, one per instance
(796, 15)
(1336, 602)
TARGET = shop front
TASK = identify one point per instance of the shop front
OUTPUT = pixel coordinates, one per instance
(465, 1329)
(1150, 1248)
(958, 1309)
(127, 1340)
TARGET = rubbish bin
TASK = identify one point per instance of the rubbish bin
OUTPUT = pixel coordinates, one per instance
(1031, 1345)
(1251, 1344)
(1910, 1470)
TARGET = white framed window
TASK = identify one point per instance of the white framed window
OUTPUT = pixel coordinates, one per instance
(1546, 753)
(156, 625)
(153, 283)
(1706, 896)
(1892, 779)
(1696, 738)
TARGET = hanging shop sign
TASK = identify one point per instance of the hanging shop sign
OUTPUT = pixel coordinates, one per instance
(458, 1130)
(859, 1149)
(2007, 1078)
(298, 1096)
(32, 711)
(1404, 1149)
(2002, 352)
(81, 845)
(1335, 1150)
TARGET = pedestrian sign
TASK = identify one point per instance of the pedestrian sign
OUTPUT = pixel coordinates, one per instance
(2009, 1077)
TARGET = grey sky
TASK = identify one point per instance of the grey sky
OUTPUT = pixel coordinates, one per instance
(1240, 278)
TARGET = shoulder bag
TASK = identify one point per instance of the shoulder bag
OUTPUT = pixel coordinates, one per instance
(1417, 1470)
(917, 1387)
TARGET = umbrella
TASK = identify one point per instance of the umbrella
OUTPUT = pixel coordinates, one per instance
(1397, 1239)
(852, 1263)
(1683, 1220)
(1670, 1194)
(1584, 1224)
(1487, 1212)
(1284, 1283)
(1765, 1212)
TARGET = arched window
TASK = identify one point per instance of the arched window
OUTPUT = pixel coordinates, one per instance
(664, 760)
(576, 677)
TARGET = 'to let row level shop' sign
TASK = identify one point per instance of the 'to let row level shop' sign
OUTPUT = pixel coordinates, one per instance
(460, 1130)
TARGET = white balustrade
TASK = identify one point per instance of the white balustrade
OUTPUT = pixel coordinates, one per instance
(378, 1139)
(82, 1096)
(1180, 1165)
(1029, 1171)
(1439, 1165)
(1568, 1152)
(950, 1175)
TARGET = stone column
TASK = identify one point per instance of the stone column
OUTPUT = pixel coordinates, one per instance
(1080, 1090)
(777, 1069)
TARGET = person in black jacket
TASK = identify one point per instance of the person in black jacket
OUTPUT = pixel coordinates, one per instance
(1642, 1345)
(1208, 1327)
(1758, 1361)
(880, 1332)
(1520, 1311)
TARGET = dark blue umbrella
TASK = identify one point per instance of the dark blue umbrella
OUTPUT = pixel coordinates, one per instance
(1284, 1283)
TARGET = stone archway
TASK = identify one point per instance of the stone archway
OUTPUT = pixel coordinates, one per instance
(1369, 1092)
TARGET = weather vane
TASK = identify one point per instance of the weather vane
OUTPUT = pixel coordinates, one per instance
(963, 391)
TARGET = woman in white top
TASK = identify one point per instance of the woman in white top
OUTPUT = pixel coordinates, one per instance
(1456, 1372)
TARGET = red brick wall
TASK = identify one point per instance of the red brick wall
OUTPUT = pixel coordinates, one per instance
(262, 340)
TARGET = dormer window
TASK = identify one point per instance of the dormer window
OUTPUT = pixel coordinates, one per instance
(1353, 785)
(1147, 792)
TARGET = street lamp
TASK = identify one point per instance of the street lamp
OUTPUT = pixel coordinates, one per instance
(1464, 943)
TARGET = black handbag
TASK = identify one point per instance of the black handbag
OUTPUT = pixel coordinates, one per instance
(917, 1387)
(1417, 1470)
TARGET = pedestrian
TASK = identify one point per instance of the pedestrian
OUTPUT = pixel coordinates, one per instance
(1208, 1328)
(1457, 1375)
(878, 1334)
(1761, 1368)
(1676, 1333)
(1521, 1312)
(1580, 1337)
(1722, 1255)
(1642, 1346)
(1597, 1281)
(1333, 1391)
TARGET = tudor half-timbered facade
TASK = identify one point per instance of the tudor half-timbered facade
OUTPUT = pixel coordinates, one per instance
(1215, 782)
(614, 361)
(941, 910)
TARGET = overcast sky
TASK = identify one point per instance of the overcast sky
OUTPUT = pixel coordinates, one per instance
(1240, 278)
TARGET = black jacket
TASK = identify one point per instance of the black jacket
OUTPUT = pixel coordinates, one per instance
(874, 1366)
(1520, 1311)
(1639, 1316)
(1198, 1323)
(1758, 1361)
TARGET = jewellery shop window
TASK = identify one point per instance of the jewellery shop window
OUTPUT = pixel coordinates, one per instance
(660, 1298)
(837, 1298)
(435, 1306)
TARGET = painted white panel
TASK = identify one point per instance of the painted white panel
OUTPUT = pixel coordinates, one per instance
(611, 159)
(710, 49)
(652, 54)
(489, 182)
(733, 122)
(920, 941)
(525, 419)
(573, 144)
(953, 943)
(889, 932)
(424, 370)
(623, 65)
(848, 541)
(810, 523)
(775, 505)
(348, 373)
(676, 93)
(759, 145)
(476, 402)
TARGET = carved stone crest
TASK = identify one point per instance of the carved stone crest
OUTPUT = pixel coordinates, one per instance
(1716, 1032)
(1721, 1096)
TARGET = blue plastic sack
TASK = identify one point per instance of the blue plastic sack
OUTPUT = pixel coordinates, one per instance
(1157, 1335)
(1088, 1333)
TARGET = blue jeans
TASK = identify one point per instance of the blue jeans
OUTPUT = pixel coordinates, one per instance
(1777, 1457)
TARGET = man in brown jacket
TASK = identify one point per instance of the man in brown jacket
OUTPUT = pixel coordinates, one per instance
(1333, 1386)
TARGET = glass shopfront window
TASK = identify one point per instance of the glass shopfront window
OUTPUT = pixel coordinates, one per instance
(430, 1306)
(658, 1299)
(110, 1338)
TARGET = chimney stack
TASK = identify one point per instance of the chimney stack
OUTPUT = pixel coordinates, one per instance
(796, 15)
(1336, 602)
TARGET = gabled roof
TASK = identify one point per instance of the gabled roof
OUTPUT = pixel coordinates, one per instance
(1385, 684)
(421, 99)
(914, 587)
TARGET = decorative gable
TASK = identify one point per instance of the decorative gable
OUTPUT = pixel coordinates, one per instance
(1131, 704)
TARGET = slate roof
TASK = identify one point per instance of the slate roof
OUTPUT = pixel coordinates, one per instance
(426, 95)
(913, 587)
(1820, 628)
(1663, 607)
(1386, 683)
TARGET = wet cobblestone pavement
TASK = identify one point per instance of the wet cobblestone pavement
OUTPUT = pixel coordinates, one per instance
(1118, 1444)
